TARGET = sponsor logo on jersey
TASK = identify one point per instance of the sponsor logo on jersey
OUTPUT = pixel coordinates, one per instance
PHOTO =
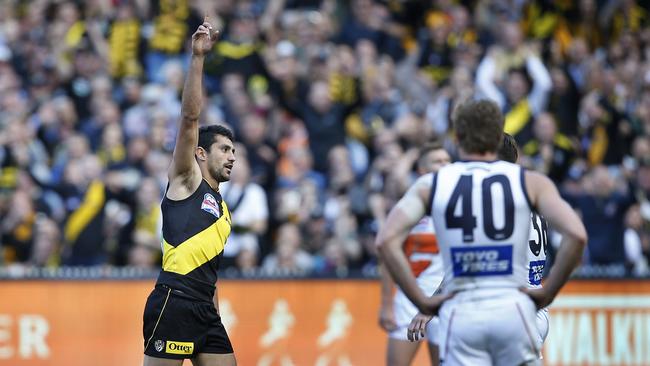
(535, 271)
(180, 348)
(482, 261)
(210, 205)
(159, 345)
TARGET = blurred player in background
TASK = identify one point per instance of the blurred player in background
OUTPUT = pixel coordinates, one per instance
(421, 249)
(181, 319)
(481, 209)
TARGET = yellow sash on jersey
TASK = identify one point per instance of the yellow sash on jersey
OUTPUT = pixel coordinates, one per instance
(198, 249)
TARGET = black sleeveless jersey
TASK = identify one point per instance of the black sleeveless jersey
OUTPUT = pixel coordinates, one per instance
(195, 231)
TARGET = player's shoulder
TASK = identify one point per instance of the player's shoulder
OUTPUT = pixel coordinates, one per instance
(425, 180)
(537, 184)
(536, 179)
(183, 187)
(422, 186)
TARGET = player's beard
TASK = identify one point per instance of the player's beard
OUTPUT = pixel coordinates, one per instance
(220, 174)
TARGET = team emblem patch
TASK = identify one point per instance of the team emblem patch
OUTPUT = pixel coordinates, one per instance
(160, 345)
(210, 205)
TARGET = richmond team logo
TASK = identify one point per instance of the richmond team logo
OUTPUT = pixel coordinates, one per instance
(160, 345)
(210, 205)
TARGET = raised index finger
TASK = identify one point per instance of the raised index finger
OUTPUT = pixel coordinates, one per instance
(206, 23)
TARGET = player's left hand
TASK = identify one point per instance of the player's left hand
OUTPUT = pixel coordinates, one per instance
(418, 326)
(432, 304)
(540, 296)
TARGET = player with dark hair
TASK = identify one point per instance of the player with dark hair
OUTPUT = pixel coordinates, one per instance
(481, 209)
(508, 150)
(181, 317)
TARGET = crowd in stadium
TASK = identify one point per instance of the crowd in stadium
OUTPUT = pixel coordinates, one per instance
(329, 101)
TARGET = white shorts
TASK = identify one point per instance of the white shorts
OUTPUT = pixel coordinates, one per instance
(542, 327)
(405, 311)
(489, 327)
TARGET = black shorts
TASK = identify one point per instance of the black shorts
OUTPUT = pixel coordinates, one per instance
(179, 327)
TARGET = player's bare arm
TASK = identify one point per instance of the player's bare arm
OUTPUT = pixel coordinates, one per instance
(546, 198)
(386, 311)
(184, 173)
(406, 213)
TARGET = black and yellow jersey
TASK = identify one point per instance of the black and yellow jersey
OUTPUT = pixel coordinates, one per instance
(195, 231)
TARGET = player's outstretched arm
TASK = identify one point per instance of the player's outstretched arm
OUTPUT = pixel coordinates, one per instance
(406, 213)
(184, 173)
(546, 198)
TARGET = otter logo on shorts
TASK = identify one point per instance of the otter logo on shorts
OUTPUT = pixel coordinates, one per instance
(180, 348)
(210, 205)
(160, 345)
